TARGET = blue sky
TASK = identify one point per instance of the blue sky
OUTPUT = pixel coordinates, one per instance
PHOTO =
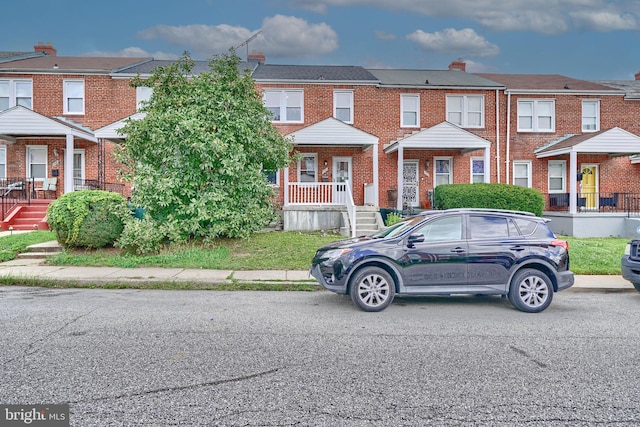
(587, 39)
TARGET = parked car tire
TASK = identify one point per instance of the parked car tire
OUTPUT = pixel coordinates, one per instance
(637, 286)
(372, 289)
(530, 291)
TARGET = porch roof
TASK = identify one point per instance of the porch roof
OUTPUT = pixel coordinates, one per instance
(614, 141)
(332, 131)
(111, 131)
(443, 136)
(19, 121)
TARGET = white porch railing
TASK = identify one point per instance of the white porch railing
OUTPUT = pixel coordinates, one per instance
(322, 193)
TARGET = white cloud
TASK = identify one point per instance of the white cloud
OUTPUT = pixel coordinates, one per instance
(280, 36)
(465, 42)
(131, 52)
(543, 16)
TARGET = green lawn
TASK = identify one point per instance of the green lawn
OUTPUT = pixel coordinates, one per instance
(278, 251)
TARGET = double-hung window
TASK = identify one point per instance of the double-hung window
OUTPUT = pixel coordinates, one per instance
(73, 92)
(308, 167)
(16, 92)
(522, 173)
(285, 105)
(466, 111)
(477, 169)
(37, 162)
(343, 105)
(443, 170)
(557, 176)
(410, 111)
(3, 161)
(536, 115)
(590, 115)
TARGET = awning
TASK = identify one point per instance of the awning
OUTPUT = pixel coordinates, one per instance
(333, 132)
(111, 131)
(615, 142)
(19, 121)
(443, 136)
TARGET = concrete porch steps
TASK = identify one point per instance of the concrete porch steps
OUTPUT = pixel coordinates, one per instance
(41, 250)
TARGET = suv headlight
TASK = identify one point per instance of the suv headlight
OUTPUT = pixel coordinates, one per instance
(627, 249)
(335, 254)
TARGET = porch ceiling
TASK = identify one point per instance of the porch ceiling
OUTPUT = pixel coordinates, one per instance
(22, 122)
(614, 141)
(443, 136)
(333, 132)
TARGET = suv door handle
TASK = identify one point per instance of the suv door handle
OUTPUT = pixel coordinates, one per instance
(458, 250)
(517, 248)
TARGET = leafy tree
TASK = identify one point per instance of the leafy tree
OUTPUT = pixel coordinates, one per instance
(197, 159)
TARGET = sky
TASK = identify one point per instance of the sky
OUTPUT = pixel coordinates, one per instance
(584, 39)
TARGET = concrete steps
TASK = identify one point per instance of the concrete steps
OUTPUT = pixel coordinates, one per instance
(368, 221)
(27, 217)
(41, 250)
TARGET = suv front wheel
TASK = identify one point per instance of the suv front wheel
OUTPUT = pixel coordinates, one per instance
(372, 289)
(531, 291)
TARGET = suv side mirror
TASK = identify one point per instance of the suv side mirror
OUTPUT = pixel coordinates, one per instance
(415, 238)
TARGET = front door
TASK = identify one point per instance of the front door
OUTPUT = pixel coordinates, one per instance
(410, 183)
(589, 185)
(342, 174)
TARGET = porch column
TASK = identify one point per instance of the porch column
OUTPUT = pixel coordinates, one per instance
(376, 179)
(68, 165)
(400, 180)
(487, 165)
(573, 181)
(286, 186)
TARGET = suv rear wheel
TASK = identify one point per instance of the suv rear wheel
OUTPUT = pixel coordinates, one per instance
(531, 291)
(372, 289)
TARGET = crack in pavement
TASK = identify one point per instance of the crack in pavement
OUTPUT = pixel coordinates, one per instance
(525, 354)
(178, 388)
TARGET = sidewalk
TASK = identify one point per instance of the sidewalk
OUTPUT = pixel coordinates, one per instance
(34, 269)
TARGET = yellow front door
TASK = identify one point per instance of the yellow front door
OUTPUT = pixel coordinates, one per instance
(588, 187)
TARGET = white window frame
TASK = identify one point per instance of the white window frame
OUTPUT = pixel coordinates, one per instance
(3, 161)
(536, 106)
(143, 94)
(473, 174)
(526, 163)
(314, 157)
(588, 119)
(13, 95)
(463, 108)
(403, 108)
(31, 148)
(83, 168)
(277, 183)
(283, 104)
(68, 94)
(562, 175)
(437, 174)
(337, 94)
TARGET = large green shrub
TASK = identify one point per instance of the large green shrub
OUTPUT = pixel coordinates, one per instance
(88, 218)
(492, 196)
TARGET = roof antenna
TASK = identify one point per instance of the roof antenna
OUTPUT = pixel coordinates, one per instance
(246, 43)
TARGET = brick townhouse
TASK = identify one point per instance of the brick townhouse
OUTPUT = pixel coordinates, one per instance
(367, 138)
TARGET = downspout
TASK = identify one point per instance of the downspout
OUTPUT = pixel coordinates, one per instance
(508, 143)
(497, 136)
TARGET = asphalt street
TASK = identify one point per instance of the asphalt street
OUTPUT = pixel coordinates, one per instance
(132, 357)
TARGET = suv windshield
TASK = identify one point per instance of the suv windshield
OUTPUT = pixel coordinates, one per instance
(399, 228)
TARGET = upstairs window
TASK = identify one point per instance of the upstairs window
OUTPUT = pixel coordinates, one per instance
(285, 105)
(590, 115)
(343, 105)
(143, 94)
(466, 111)
(73, 96)
(16, 92)
(410, 111)
(536, 116)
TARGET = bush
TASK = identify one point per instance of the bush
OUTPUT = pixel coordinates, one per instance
(491, 196)
(393, 218)
(88, 218)
(141, 236)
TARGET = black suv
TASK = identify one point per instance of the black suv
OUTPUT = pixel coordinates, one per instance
(456, 251)
(631, 263)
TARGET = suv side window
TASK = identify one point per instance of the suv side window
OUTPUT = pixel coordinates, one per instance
(533, 228)
(448, 228)
(490, 227)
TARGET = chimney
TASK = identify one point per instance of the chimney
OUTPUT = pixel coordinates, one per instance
(638, 75)
(47, 48)
(458, 64)
(256, 57)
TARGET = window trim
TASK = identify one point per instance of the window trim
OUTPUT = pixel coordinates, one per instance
(67, 97)
(273, 184)
(3, 160)
(535, 103)
(484, 168)
(529, 174)
(315, 165)
(143, 94)
(435, 170)
(335, 104)
(597, 116)
(28, 160)
(563, 176)
(12, 95)
(403, 97)
(464, 114)
(283, 103)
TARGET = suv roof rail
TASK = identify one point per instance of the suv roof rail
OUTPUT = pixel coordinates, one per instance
(489, 210)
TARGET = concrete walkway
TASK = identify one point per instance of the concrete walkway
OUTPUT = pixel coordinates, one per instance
(36, 269)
